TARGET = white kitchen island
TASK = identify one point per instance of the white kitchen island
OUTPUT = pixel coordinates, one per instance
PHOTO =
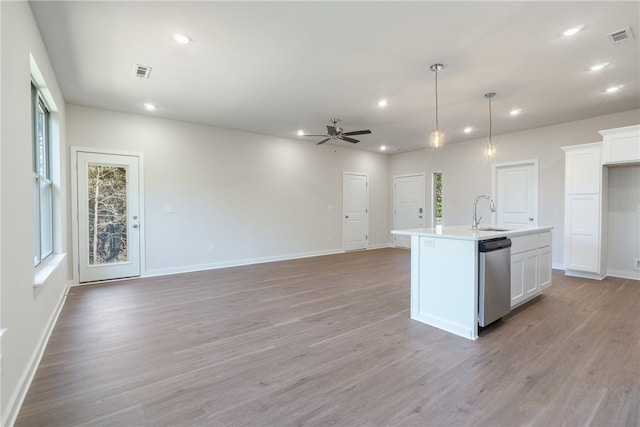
(444, 272)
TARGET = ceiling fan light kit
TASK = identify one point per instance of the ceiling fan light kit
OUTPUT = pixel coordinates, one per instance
(335, 132)
(437, 138)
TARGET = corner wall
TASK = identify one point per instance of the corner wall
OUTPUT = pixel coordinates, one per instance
(467, 171)
(252, 197)
(26, 313)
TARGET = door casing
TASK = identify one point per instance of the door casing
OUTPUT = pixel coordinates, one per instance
(74, 204)
(530, 167)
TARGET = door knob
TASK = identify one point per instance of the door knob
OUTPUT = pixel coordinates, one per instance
(135, 225)
(346, 216)
(530, 218)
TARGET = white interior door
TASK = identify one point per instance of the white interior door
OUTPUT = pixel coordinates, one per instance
(515, 191)
(108, 211)
(355, 193)
(408, 205)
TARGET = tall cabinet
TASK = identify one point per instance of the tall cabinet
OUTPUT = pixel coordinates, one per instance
(586, 203)
(585, 211)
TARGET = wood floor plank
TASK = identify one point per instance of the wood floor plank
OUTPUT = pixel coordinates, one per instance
(328, 341)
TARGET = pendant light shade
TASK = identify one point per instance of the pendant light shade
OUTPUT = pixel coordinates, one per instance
(491, 149)
(437, 138)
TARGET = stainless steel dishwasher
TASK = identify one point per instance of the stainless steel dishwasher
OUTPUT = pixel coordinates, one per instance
(494, 281)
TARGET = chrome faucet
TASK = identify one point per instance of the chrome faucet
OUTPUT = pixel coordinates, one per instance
(476, 220)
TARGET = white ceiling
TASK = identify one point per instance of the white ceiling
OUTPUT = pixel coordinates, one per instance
(277, 67)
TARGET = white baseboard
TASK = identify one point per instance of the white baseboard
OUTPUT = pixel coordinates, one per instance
(247, 261)
(624, 274)
(16, 400)
(236, 263)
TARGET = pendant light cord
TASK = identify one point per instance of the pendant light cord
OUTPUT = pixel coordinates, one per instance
(437, 98)
(490, 121)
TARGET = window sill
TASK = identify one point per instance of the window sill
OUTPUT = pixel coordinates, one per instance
(46, 270)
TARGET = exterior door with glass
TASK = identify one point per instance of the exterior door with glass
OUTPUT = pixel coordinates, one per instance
(108, 210)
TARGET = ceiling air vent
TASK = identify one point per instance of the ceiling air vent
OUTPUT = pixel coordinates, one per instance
(620, 36)
(141, 71)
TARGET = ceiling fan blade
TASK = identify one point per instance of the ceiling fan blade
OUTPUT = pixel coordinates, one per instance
(323, 141)
(357, 132)
(346, 138)
(331, 130)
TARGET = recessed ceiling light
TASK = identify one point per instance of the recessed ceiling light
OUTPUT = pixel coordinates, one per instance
(613, 89)
(599, 67)
(382, 103)
(149, 106)
(515, 111)
(301, 133)
(572, 31)
(468, 129)
(181, 38)
(383, 147)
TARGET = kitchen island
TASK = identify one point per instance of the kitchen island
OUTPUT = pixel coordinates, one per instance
(444, 272)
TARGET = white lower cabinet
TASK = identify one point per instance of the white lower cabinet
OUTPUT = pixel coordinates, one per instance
(530, 266)
(524, 281)
(544, 267)
(582, 232)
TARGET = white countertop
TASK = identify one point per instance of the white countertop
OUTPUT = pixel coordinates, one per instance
(465, 232)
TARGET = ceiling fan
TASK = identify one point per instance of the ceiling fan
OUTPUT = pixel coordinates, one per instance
(336, 132)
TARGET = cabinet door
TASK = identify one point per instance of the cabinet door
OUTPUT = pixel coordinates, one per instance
(544, 267)
(623, 148)
(583, 168)
(582, 232)
(517, 278)
(524, 276)
(530, 274)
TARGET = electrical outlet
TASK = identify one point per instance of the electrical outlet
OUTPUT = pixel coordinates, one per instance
(329, 239)
(637, 264)
(211, 249)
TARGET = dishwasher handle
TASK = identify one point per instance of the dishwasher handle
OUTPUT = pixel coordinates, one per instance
(494, 244)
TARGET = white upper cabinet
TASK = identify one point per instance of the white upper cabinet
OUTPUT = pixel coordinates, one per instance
(621, 145)
(582, 168)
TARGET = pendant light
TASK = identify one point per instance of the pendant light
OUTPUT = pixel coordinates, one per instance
(437, 138)
(491, 149)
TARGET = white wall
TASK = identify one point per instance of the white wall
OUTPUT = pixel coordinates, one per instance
(253, 197)
(25, 313)
(467, 171)
(623, 232)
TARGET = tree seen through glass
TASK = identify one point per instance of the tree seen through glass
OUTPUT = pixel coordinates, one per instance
(107, 214)
(437, 183)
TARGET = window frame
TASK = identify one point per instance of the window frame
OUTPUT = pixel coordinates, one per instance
(42, 177)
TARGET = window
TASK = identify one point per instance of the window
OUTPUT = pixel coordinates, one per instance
(437, 199)
(42, 185)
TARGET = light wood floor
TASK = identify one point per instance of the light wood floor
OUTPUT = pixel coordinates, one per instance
(328, 341)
